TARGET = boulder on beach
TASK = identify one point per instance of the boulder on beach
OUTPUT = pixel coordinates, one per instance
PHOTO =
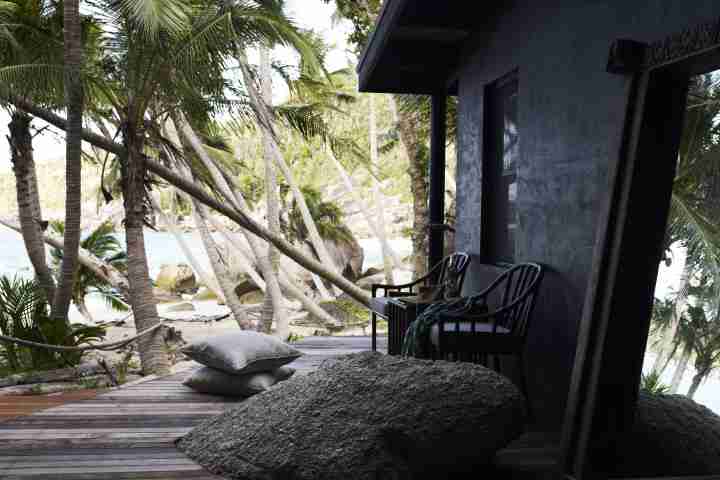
(176, 278)
(365, 416)
(672, 436)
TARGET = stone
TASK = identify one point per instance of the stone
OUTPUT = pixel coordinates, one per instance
(181, 307)
(365, 416)
(204, 293)
(347, 254)
(176, 278)
(161, 296)
(672, 436)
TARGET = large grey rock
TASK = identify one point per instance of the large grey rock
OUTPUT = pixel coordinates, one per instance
(672, 436)
(364, 416)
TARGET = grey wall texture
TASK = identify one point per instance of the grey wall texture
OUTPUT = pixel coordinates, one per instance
(571, 119)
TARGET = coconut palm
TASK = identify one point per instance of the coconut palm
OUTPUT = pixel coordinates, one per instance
(103, 243)
(694, 222)
(30, 39)
(74, 99)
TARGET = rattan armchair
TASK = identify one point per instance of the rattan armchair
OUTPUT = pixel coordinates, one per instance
(495, 321)
(448, 276)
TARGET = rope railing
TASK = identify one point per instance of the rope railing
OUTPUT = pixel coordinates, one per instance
(99, 346)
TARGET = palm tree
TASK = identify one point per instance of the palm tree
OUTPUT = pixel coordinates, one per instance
(74, 98)
(693, 221)
(30, 45)
(271, 190)
(104, 245)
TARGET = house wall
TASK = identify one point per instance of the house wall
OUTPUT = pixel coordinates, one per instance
(571, 120)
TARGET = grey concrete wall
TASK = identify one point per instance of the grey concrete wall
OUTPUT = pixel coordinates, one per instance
(571, 119)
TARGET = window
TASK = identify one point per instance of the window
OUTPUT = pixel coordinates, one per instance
(499, 184)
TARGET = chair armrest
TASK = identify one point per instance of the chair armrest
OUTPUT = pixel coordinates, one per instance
(390, 290)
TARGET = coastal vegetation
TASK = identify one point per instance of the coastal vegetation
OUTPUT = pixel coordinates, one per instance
(163, 115)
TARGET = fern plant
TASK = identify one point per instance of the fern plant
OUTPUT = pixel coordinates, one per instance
(25, 314)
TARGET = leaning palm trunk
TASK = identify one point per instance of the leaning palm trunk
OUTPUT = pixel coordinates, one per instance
(364, 210)
(238, 202)
(697, 380)
(73, 158)
(271, 193)
(680, 369)
(245, 263)
(220, 267)
(265, 122)
(82, 308)
(28, 199)
(103, 270)
(668, 344)
(377, 196)
(151, 347)
(417, 169)
(293, 290)
(240, 217)
(207, 279)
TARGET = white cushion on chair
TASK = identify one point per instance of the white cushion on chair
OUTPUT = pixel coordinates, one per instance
(465, 327)
(379, 305)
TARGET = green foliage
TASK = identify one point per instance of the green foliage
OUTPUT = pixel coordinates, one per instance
(24, 314)
(293, 337)
(651, 384)
(104, 244)
(327, 215)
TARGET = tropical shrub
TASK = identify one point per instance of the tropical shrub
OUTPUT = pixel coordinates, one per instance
(652, 385)
(25, 314)
(104, 244)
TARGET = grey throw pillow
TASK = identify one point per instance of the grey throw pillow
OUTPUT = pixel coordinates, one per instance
(216, 382)
(241, 352)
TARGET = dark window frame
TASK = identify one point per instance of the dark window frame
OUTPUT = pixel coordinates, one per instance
(494, 232)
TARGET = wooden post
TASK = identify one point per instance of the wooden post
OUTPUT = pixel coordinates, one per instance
(437, 179)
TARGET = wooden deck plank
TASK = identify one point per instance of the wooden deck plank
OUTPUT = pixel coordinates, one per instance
(122, 434)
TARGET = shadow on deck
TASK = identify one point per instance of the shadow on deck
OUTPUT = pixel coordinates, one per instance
(129, 432)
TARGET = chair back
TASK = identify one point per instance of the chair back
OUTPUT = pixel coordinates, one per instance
(512, 297)
(452, 274)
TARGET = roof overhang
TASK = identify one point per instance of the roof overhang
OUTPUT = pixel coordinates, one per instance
(416, 45)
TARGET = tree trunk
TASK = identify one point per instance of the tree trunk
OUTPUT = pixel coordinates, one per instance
(667, 347)
(265, 121)
(680, 369)
(364, 209)
(240, 217)
(238, 202)
(271, 192)
(28, 199)
(153, 354)
(293, 290)
(220, 267)
(74, 97)
(246, 264)
(696, 381)
(378, 198)
(418, 158)
(82, 308)
(209, 281)
(101, 269)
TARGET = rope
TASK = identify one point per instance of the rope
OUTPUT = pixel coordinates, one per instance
(100, 346)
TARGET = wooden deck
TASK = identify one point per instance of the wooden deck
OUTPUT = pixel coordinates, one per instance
(14, 406)
(128, 433)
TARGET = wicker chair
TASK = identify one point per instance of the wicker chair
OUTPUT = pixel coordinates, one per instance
(450, 277)
(495, 321)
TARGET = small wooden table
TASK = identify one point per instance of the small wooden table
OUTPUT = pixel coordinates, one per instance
(402, 311)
